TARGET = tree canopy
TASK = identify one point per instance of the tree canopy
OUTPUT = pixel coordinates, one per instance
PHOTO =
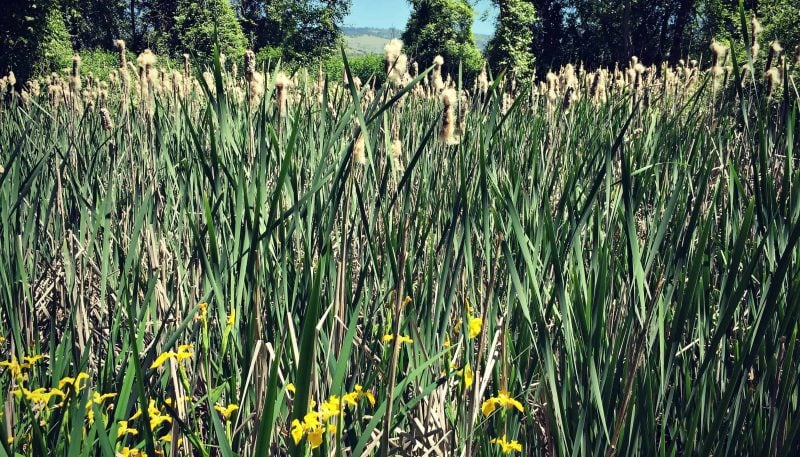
(442, 27)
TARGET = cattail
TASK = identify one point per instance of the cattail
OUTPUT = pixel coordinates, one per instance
(755, 31)
(569, 78)
(463, 110)
(256, 90)
(102, 95)
(391, 52)
(720, 52)
(34, 88)
(282, 84)
(54, 94)
(399, 70)
(775, 50)
(249, 65)
(105, 119)
(446, 133)
(508, 102)
(483, 82)
(436, 76)
(415, 69)
(569, 98)
(12, 79)
(75, 77)
(773, 80)
(222, 60)
(146, 61)
(186, 67)
(797, 55)
(397, 152)
(359, 156)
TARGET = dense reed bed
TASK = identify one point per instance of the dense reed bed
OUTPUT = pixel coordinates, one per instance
(243, 262)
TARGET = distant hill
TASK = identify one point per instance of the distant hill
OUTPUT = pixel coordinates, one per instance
(370, 40)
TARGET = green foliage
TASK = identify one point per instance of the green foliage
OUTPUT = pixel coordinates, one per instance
(55, 46)
(33, 39)
(100, 62)
(512, 46)
(364, 67)
(442, 27)
(304, 31)
(95, 23)
(194, 29)
(779, 19)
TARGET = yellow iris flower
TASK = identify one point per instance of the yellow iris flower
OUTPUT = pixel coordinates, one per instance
(402, 338)
(502, 400)
(507, 446)
(226, 411)
(184, 352)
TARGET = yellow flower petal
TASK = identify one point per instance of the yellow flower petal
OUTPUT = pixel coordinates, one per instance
(161, 359)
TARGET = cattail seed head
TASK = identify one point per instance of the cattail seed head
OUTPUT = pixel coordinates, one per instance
(186, 67)
(120, 44)
(483, 81)
(249, 64)
(105, 119)
(256, 90)
(447, 130)
(773, 80)
(755, 28)
(436, 75)
(359, 156)
(282, 84)
(146, 59)
(720, 52)
(75, 76)
(391, 52)
(755, 31)
(775, 50)
(34, 88)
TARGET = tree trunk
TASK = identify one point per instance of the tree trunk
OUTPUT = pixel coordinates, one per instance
(682, 18)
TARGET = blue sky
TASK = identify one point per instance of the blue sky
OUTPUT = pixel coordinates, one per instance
(394, 13)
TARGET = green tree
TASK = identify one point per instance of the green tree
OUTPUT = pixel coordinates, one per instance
(442, 27)
(512, 46)
(95, 23)
(194, 29)
(296, 30)
(33, 39)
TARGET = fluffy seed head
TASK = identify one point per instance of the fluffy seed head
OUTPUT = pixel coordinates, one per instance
(773, 79)
(449, 97)
(720, 52)
(146, 59)
(250, 64)
(438, 61)
(391, 52)
(358, 150)
(105, 119)
(755, 28)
